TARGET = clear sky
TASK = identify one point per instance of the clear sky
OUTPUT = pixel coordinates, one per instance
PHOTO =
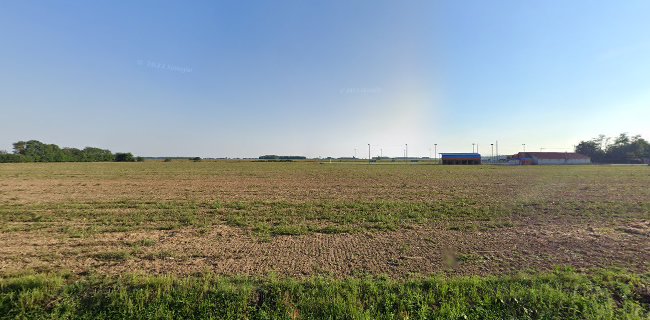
(321, 78)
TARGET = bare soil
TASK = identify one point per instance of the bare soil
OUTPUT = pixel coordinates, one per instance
(79, 218)
(538, 245)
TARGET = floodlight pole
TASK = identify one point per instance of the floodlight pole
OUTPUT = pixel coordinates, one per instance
(473, 147)
(368, 152)
(523, 144)
(435, 151)
(492, 155)
(406, 152)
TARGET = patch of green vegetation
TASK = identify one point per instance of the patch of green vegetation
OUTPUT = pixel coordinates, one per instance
(302, 217)
(147, 242)
(469, 258)
(333, 229)
(563, 294)
(262, 231)
(163, 254)
(137, 245)
(236, 220)
(169, 226)
(288, 230)
(342, 197)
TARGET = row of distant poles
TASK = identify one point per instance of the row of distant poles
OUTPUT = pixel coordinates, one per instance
(435, 150)
(381, 151)
(492, 145)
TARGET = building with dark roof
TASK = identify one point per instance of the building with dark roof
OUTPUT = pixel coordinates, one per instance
(461, 158)
(551, 158)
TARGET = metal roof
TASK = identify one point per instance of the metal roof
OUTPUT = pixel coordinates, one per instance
(461, 155)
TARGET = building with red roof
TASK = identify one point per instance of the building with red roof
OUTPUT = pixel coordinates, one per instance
(551, 158)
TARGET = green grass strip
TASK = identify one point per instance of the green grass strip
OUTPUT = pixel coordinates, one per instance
(563, 294)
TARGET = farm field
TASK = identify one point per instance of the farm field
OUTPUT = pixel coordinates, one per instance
(343, 223)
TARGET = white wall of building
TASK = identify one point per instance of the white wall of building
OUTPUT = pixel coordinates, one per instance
(560, 161)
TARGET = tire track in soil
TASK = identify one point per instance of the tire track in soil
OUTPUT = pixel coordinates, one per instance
(421, 250)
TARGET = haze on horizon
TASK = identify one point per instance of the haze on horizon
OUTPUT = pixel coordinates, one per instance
(247, 78)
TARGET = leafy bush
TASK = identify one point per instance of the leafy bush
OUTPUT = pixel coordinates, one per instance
(124, 157)
(14, 158)
(36, 151)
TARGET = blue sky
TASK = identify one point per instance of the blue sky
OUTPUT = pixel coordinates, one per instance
(321, 78)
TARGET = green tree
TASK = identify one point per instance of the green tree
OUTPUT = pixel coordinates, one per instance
(11, 158)
(72, 154)
(19, 147)
(624, 149)
(124, 157)
(36, 151)
(96, 154)
(591, 149)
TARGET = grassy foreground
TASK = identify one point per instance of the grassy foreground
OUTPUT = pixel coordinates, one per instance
(563, 294)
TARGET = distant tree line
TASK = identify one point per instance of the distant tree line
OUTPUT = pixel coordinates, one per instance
(622, 149)
(274, 157)
(36, 151)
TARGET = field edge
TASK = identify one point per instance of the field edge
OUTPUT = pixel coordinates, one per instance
(562, 293)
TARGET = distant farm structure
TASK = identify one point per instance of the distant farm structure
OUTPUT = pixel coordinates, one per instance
(549, 158)
(461, 158)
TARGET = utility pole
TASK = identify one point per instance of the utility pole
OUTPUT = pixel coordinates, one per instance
(497, 143)
(368, 152)
(355, 153)
(435, 151)
(406, 152)
(381, 153)
(492, 146)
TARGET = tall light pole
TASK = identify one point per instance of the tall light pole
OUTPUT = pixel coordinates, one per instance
(524, 145)
(406, 151)
(435, 151)
(492, 147)
(355, 153)
(368, 152)
(381, 153)
(473, 147)
(477, 148)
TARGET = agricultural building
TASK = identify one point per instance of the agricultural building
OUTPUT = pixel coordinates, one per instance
(550, 158)
(461, 158)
